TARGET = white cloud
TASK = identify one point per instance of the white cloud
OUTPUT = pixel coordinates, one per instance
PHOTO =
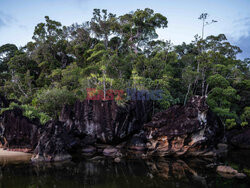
(241, 28)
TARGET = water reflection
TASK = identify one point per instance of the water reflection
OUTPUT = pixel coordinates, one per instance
(105, 173)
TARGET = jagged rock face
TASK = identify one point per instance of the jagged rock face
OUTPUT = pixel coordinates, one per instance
(190, 129)
(17, 131)
(87, 123)
(105, 121)
(54, 143)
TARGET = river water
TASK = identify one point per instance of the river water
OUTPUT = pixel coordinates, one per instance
(105, 173)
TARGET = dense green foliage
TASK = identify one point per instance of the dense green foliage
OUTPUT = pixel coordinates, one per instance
(29, 111)
(111, 52)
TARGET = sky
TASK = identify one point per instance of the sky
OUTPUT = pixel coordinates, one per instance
(18, 18)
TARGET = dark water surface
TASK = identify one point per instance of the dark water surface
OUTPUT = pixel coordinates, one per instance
(105, 173)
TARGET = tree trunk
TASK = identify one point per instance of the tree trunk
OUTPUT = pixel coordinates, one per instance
(206, 89)
(203, 84)
(187, 94)
(104, 84)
